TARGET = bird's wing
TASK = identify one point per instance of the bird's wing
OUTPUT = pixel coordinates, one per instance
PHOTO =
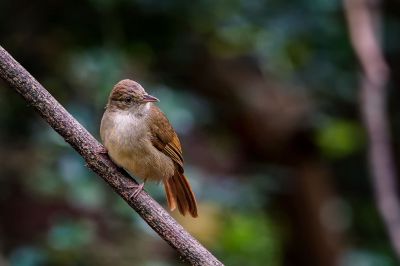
(177, 188)
(163, 136)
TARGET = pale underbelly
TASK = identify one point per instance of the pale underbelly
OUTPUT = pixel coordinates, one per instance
(146, 163)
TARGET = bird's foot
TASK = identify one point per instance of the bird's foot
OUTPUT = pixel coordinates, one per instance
(138, 189)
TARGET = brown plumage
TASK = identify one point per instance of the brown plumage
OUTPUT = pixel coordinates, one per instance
(177, 188)
(139, 138)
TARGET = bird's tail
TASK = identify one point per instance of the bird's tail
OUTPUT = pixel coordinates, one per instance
(179, 193)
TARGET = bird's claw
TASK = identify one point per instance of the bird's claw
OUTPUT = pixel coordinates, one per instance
(138, 189)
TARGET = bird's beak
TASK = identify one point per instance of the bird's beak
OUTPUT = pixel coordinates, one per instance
(148, 98)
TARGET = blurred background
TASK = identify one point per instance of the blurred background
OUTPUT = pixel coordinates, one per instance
(265, 98)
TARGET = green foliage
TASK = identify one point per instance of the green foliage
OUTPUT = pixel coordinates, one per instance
(184, 52)
(340, 138)
(366, 258)
(27, 256)
(250, 240)
(70, 235)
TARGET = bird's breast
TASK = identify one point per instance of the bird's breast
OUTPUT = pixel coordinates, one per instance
(128, 142)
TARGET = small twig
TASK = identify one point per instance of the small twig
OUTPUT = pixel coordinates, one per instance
(364, 22)
(88, 147)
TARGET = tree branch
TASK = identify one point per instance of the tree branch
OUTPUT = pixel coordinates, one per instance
(364, 20)
(88, 147)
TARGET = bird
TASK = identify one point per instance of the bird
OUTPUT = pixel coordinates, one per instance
(139, 138)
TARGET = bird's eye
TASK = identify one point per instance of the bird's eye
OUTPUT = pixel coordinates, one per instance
(128, 99)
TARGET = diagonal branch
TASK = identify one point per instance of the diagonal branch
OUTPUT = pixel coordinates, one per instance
(364, 20)
(88, 147)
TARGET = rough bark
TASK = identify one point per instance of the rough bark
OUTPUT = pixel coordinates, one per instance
(89, 148)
